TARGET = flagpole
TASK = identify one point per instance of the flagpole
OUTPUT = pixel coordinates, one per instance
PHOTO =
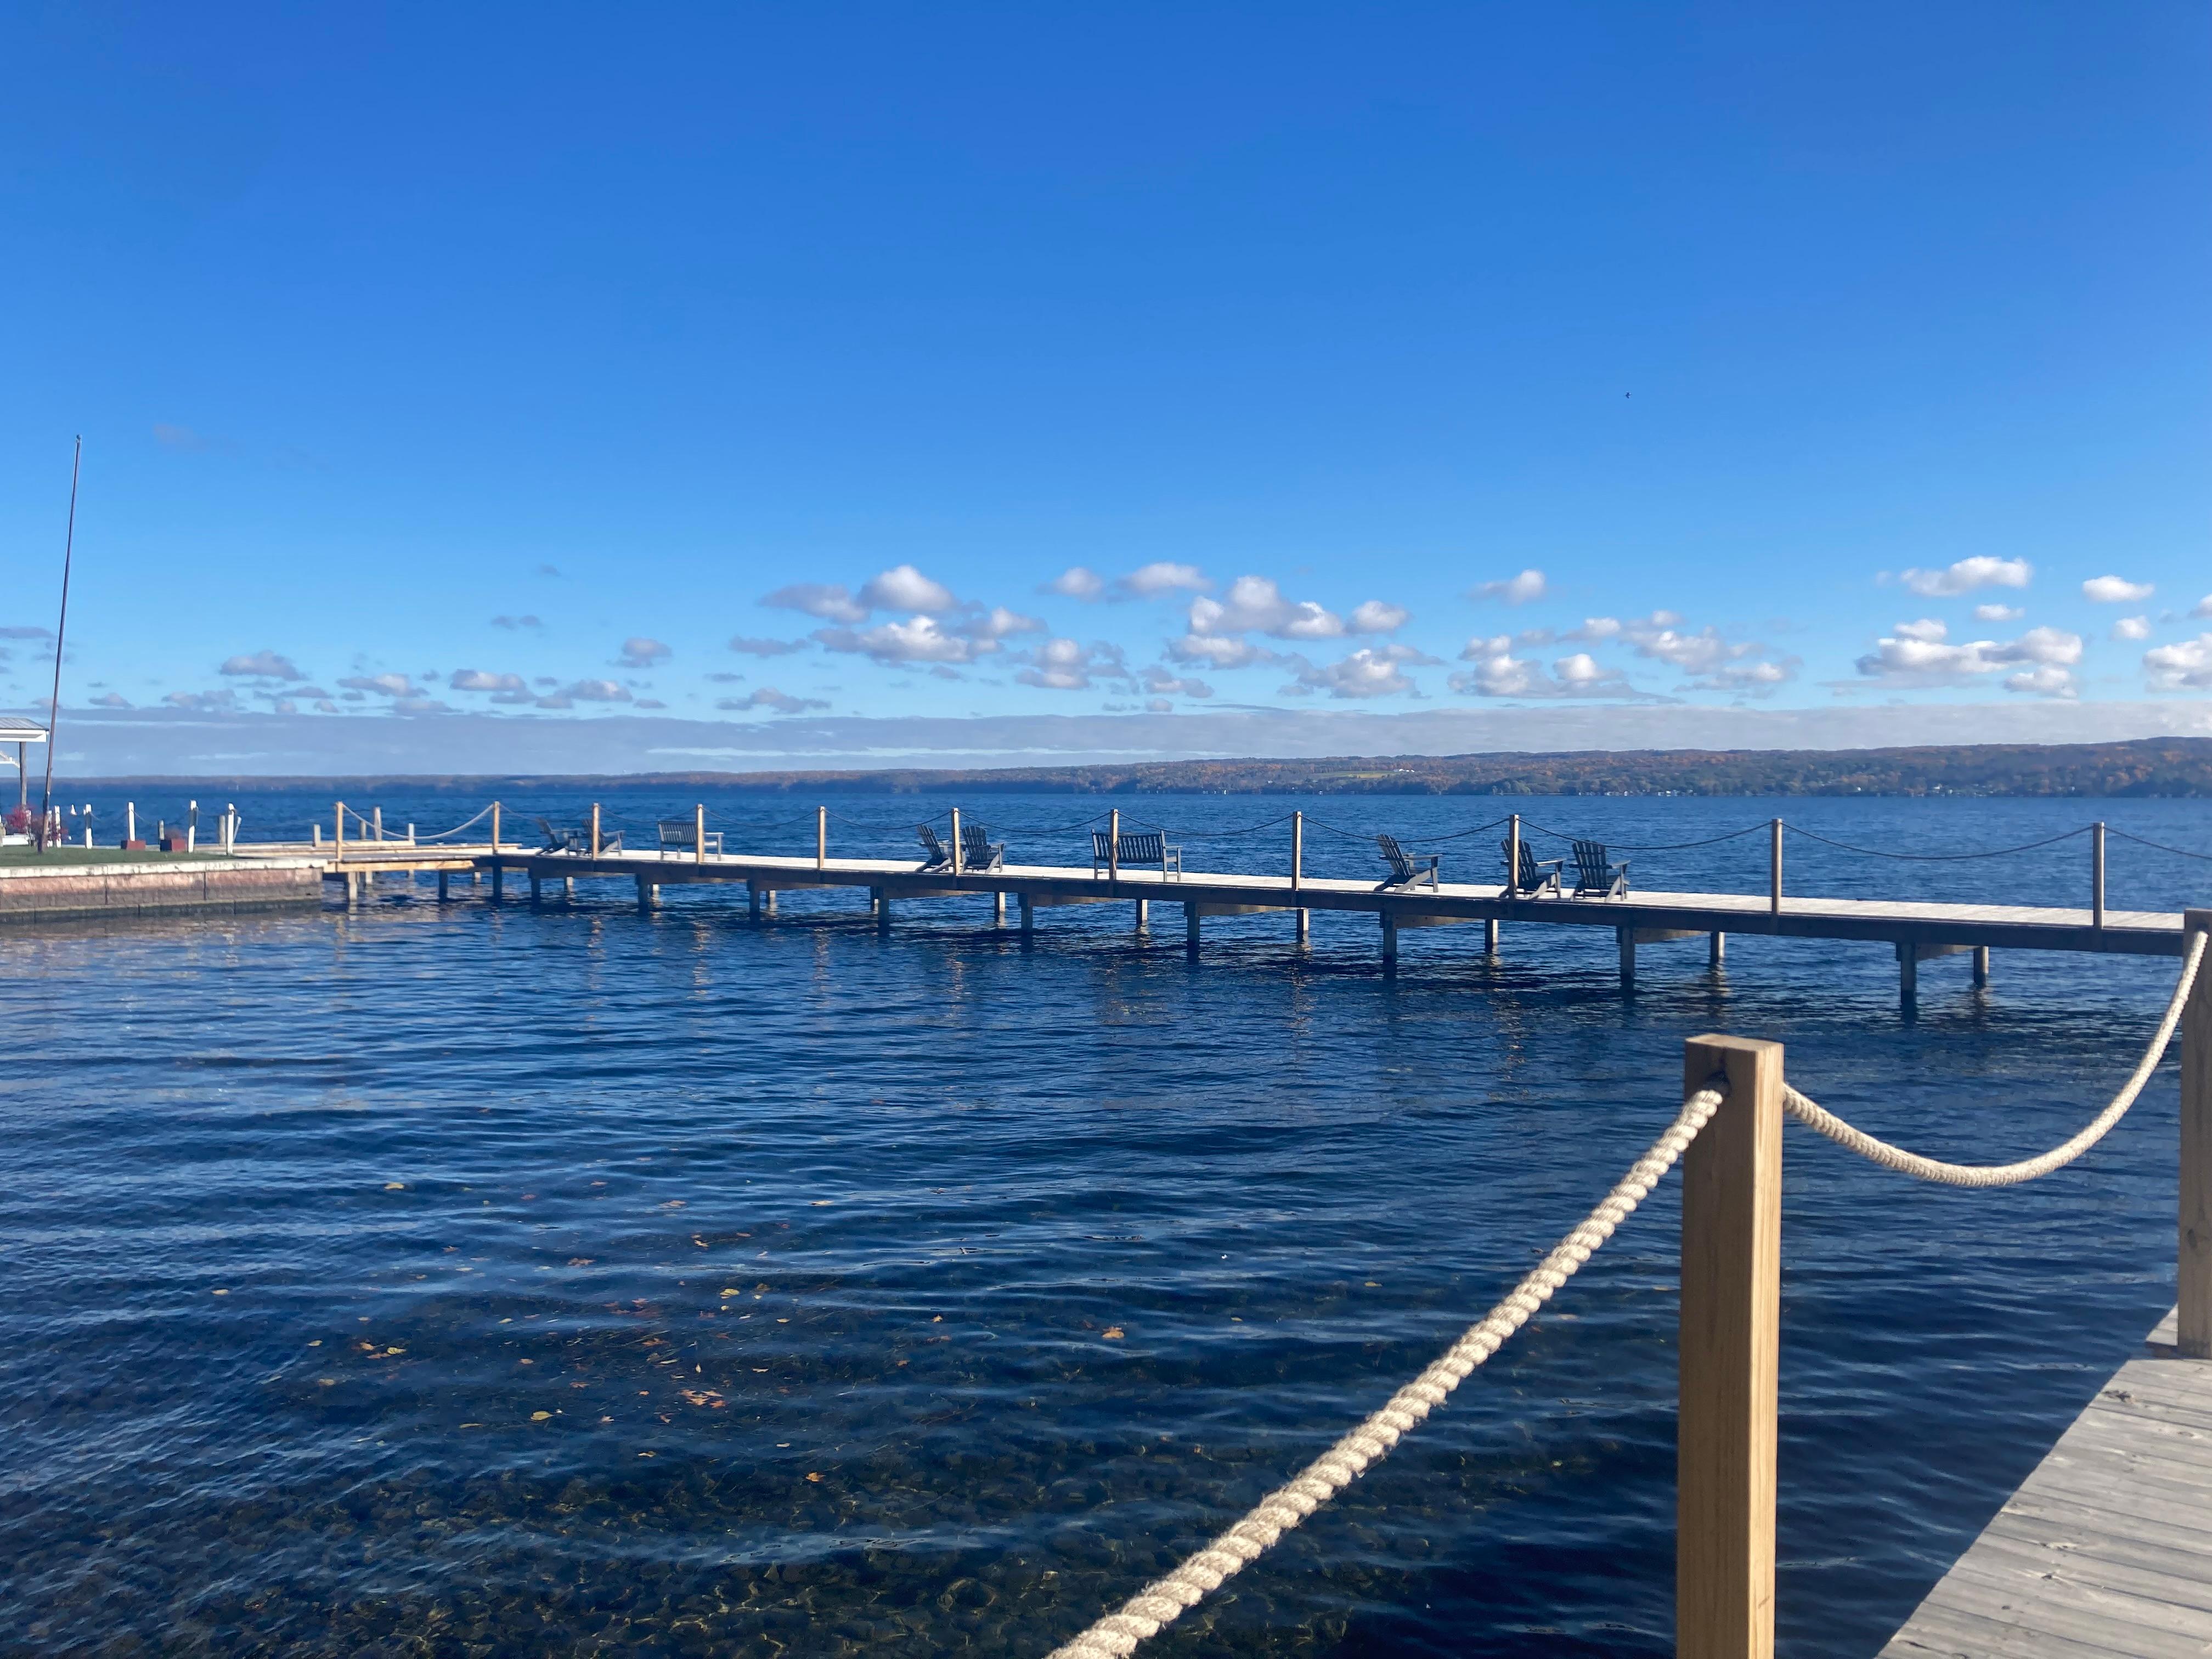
(61, 632)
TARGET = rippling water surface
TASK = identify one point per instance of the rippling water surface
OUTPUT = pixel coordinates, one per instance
(461, 1279)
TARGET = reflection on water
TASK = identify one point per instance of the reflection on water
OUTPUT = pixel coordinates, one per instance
(474, 1280)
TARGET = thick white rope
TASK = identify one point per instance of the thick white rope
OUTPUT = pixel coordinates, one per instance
(1163, 1599)
(1813, 1116)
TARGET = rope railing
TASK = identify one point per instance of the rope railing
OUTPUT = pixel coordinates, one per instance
(1166, 1599)
(1813, 1116)
(1938, 858)
(2159, 846)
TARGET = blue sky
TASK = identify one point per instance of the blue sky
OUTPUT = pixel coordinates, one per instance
(460, 366)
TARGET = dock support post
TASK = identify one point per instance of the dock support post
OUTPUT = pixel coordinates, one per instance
(534, 894)
(1389, 939)
(1908, 976)
(821, 836)
(1981, 966)
(882, 909)
(1489, 936)
(441, 886)
(2193, 1260)
(1144, 915)
(768, 904)
(648, 895)
(1190, 928)
(2097, 873)
(1728, 1348)
(752, 900)
(999, 910)
(595, 828)
(568, 889)
(1305, 925)
(495, 827)
(1717, 952)
(1626, 937)
(1028, 917)
(499, 884)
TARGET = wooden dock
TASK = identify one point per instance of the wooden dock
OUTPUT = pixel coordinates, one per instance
(2106, 1549)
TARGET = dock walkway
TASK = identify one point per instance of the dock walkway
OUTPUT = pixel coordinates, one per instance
(2106, 1548)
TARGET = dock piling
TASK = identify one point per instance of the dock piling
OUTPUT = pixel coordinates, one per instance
(1981, 967)
(441, 886)
(1144, 915)
(1626, 939)
(498, 883)
(999, 908)
(1028, 917)
(1190, 929)
(2193, 1261)
(1728, 1350)
(1908, 976)
(1717, 952)
(1774, 870)
(1389, 938)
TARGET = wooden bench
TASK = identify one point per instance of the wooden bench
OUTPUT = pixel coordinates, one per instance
(1134, 848)
(682, 835)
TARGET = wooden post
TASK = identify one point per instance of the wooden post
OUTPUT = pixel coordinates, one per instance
(882, 909)
(1190, 928)
(999, 908)
(499, 884)
(1144, 914)
(595, 828)
(1029, 915)
(699, 833)
(821, 836)
(1513, 856)
(534, 893)
(376, 824)
(1981, 966)
(1489, 936)
(2194, 1259)
(495, 827)
(1297, 850)
(1774, 871)
(340, 821)
(1717, 953)
(1908, 976)
(1625, 937)
(1305, 925)
(2097, 874)
(1113, 847)
(315, 835)
(955, 840)
(647, 892)
(441, 886)
(1389, 938)
(752, 900)
(1727, 1355)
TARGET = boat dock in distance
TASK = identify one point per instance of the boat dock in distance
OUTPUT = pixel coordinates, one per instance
(690, 853)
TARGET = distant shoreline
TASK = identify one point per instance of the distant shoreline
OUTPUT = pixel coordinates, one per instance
(2160, 768)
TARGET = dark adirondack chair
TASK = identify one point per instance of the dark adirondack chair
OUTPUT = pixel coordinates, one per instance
(1136, 846)
(559, 840)
(1535, 876)
(1595, 875)
(939, 855)
(1406, 871)
(978, 851)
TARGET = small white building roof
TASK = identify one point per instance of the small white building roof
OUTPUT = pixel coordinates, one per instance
(15, 731)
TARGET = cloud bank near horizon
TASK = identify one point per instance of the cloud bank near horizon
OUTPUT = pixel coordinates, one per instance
(223, 743)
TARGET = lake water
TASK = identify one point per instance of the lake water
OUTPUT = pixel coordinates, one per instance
(461, 1279)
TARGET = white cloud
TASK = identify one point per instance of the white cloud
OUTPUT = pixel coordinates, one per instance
(2131, 628)
(1514, 590)
(390, 685)
(752, 647)
(1998, 613)
(112, 699)
(1255, 605)
(1378, 617)
(2202, 607)
(1926, 663)
(1219, 653)
(638, 652)
(997, 624)
(903, 587)
(1757, 679)
(918, 639)
(595, 691)
(225, 700)
(2186, 665)
(2046, 680)
(1160, 681)
(1076, 583)
(1967, 574)
(2115, 590)
(1927, 629)
(262, 664)
(1373, 672)
(1498, 673)
(768, 697)
(513, 622)
(1069, 666)
(510, 686)
(1160, 577)
(831, 601)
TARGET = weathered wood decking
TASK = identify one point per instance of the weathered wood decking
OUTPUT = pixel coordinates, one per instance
(2106, 1549)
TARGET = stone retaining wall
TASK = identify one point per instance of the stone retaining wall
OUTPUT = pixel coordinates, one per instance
(28, 893)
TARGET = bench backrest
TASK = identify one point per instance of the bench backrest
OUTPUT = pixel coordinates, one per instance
(1136, 846)
(1401, 865)
(678, 832)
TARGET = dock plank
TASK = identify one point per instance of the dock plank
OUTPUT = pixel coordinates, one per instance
(2106, 1547)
